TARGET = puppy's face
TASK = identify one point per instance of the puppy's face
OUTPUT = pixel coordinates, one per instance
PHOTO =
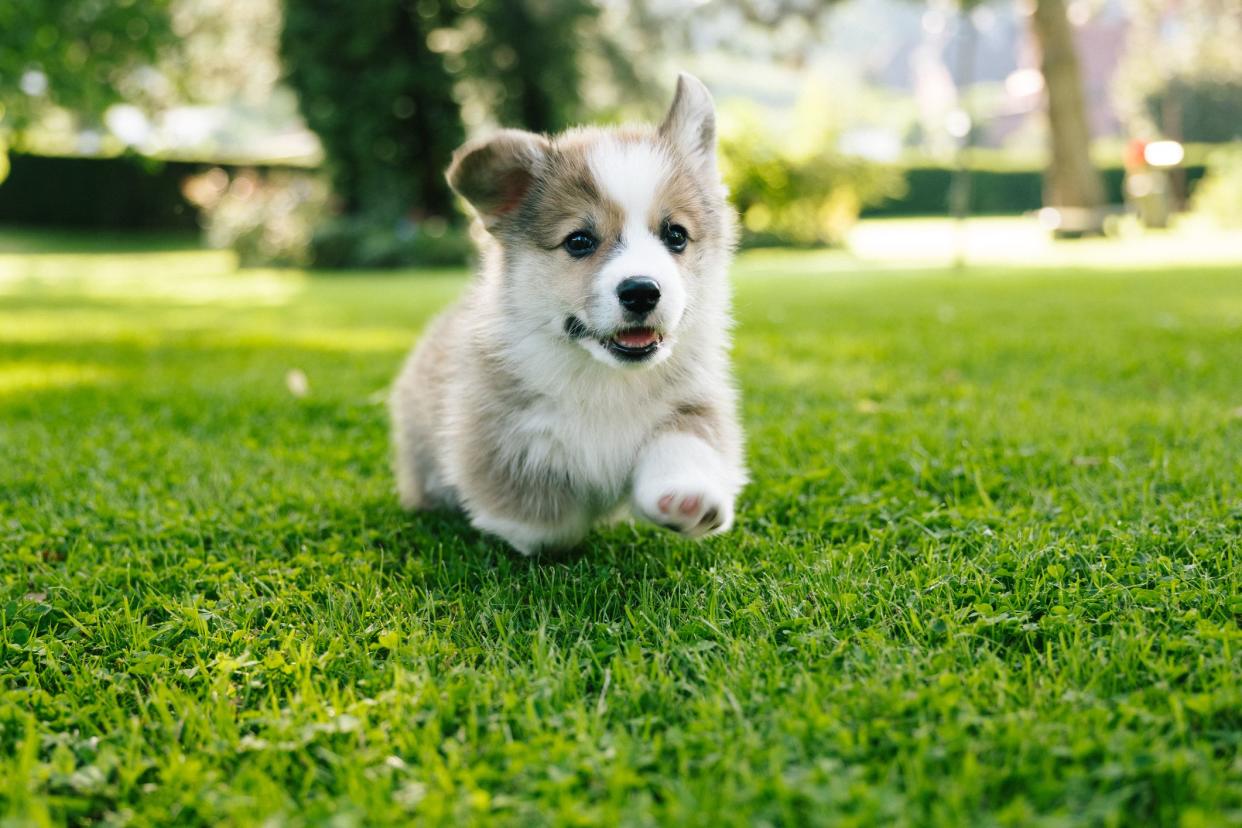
(609, 238)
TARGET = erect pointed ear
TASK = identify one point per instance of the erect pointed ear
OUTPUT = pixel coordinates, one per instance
(690, 124)
(495, 173)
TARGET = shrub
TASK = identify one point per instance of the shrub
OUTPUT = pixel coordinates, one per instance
(1210, 107)
(123, 192)
(269, 214)
(266, 219)
(379, 99)
(992, 192)
(279, 219)
(787, 196)
(1219, 194)
(351, 241)
(998, 192)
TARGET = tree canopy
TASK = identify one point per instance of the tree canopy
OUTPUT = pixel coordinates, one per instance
(82, 55)
(379, 99)
(525, 58)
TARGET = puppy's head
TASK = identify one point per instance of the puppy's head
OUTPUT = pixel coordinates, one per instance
(612, 240)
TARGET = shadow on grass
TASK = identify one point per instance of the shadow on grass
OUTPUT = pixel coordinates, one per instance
(42, 241)
(444, 549)
(450, 530)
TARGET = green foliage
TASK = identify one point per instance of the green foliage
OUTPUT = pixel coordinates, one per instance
(228, 52)
(1209, 110)
(1181, 73)
(379, 99)
(277, 218)
(120, 192)
(380, 86)
(987, 572)
(1219, 194)
(993, 191)
(265, 219)
(788, 196)
(526, 56)
(344, 242)
(78, 54)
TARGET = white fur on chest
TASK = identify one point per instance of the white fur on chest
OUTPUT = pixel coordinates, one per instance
(593, 441)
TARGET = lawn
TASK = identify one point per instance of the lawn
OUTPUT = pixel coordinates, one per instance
(988, 571)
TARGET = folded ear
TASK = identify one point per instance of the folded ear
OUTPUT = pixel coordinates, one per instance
(495, 173)
(690, 124)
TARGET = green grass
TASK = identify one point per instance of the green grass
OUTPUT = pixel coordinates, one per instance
(987, 572)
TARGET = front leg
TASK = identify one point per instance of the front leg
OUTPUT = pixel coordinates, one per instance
(684, 484)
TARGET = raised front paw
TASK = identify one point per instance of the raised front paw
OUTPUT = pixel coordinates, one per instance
(693, 509)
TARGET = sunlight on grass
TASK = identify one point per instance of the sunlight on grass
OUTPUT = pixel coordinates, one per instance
(342, 340)
(195, 277)
(80, 326)
(26, 376)
(934, 243)
(73, 326)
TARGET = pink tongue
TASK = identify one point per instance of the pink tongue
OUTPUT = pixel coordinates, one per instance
(636, 337)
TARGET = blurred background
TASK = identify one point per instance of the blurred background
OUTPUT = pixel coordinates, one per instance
(315, 132)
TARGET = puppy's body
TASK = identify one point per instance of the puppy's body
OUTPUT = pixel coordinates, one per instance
(566, 384)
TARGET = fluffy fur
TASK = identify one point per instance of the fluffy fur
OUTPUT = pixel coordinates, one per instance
(518, 405)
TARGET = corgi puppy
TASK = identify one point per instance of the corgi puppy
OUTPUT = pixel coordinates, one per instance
(586, 368)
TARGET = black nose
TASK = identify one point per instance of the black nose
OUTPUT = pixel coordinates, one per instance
(639, 294)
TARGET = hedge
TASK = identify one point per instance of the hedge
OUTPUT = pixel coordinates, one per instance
(992, 192)
(130, 191)
(121, 192)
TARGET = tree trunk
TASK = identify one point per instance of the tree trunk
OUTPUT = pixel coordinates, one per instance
(1071, 181)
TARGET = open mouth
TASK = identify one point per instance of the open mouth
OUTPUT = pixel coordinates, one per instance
(633, 344)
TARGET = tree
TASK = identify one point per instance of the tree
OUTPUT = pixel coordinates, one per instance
(80, 55)
(227, 52)
(1071, 180)
(379, 99)
(1181, 74)
(544, 65)
(525, 55)
(382, 83)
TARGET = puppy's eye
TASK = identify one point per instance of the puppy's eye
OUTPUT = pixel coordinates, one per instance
(675, 237)
(579, 244)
